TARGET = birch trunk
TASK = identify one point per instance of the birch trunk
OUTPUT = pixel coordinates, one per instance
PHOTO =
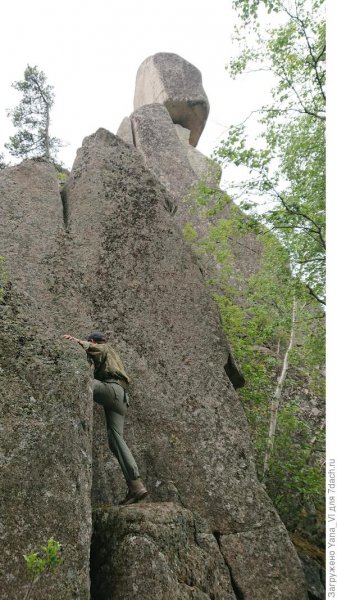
(277, 395)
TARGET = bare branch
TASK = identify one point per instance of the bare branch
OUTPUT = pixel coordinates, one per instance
(306, 110)
(312, 293)
(314, 60)
(299, 213)
(280, 111)
(308, 260)
(235, 241)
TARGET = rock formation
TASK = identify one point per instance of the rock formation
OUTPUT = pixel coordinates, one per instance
(163, 139)
(156, 139)
(172, 81)
(157, 551)
(112, 257)
(45, 391)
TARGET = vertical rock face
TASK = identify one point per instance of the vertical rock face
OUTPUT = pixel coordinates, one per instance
(147, 289)
(188, 430)
(45, 393)
(205, 169)
(157, 141)
(31, 217)
(159, 79)
(125, 131)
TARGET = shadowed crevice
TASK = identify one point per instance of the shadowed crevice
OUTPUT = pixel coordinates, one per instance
(233, 372)
(236, 588)
(133, 133)
(64, 199)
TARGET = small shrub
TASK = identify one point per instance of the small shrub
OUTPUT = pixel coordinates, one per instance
(42, 562)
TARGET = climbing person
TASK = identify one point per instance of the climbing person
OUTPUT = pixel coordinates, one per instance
(111, 391)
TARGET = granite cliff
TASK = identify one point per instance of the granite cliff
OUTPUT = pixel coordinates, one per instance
(107, 252)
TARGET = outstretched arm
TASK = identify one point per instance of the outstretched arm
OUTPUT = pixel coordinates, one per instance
(73, 339)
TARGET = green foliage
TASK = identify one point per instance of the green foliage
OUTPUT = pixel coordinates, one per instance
(62, 177)
(295, 481)
(62, 173)
(42, 562)
(189, 232)
(49, 557)
(286, 164)
(257, 317)
(212, 198)
(32, 118)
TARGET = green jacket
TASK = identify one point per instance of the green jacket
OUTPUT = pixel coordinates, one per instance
(107, 364)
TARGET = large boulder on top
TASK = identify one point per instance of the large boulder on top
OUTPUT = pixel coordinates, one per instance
(186, 426)
(171, 80)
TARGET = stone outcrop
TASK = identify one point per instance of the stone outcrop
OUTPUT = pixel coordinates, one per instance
(205, 169)
(167, 152)
(125, 131)
(187, 428)
(156, 551)
(45, 392)
(159, 80)
(156, 139)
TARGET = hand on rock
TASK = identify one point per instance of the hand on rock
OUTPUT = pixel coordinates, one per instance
(69, 337)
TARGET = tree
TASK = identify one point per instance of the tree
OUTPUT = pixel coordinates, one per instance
(3, 164)
(32, 118)
(275, 403)
(287, 171)
(276, 330)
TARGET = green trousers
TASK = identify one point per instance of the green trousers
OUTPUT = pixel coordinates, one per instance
(111, 396)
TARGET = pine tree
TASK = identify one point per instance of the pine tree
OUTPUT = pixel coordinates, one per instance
(3, 163)
(32, 118)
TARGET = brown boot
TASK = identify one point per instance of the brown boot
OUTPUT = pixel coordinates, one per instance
(137, 491)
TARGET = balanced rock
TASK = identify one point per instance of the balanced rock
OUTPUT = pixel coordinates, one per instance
(170, 80)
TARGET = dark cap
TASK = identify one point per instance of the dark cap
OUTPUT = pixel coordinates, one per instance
(97, 336)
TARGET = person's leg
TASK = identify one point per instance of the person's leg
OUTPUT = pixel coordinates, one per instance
(111, 397)
(123, 454)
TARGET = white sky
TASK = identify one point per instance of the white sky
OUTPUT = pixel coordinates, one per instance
(91, 50)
